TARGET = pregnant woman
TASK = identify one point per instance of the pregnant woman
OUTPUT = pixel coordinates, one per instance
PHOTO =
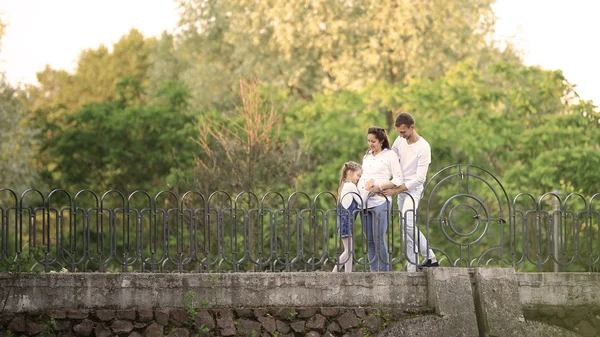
(381, 170)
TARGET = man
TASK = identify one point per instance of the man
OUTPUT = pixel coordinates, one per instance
(415, 156)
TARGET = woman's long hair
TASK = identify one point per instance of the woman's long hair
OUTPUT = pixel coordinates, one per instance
(381, 135)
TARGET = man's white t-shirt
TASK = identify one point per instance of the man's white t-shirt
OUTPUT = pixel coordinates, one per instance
(414, 160)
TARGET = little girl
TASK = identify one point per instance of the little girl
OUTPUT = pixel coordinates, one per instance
(349, 203)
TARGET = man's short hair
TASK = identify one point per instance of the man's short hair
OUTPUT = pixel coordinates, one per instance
(404, 118)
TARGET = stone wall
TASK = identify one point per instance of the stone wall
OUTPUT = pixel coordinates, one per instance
(585, 321)
(568, 300)
(437, 302)
(31, 292)
(183, 322)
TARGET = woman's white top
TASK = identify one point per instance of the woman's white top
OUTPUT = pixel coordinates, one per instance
(383, 167)
(349, 192)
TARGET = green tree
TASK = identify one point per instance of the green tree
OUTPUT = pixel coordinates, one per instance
(120, 144)
(95, 79)
(307, 47)
(506, 119)
(245, 150)
(126, 78)
(164, 65)
(333, 130)
(519, 122)
(17, 139)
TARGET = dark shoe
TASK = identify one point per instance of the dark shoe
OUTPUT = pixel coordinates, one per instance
(428, 264)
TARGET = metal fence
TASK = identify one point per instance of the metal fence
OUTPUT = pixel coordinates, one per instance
(465, 213)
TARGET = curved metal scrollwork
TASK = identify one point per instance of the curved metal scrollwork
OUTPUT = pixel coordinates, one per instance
(465, 214)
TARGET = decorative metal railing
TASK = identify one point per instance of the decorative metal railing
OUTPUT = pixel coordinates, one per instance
(465, 213)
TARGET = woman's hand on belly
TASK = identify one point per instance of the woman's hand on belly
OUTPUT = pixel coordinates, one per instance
(369, 185)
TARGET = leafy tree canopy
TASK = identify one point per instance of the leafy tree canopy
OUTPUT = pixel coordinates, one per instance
(17, 139)
(121, 144)
(307, 47)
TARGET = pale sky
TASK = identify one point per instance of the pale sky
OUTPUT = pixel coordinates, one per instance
(555, 34)
(54, 32)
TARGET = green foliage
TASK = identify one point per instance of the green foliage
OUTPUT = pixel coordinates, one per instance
(325, 45)
(191, 307)
(333, 130)
(96, 78)
(164, 65)
(245, 150)
(24, 262)
(121, 144)
(202, 330)
(102, 79)
(167, 112)
(329, 72)
(524, 124)
(49, 327)
(516, 121)
(191, 304)
(17, 141)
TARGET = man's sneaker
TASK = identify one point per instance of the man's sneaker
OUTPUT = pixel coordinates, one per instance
(428, 264)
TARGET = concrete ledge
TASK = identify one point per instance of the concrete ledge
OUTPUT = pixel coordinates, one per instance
(559, 289)
(29, 292)
(23, 292)
(451, 294)
(496, 296)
